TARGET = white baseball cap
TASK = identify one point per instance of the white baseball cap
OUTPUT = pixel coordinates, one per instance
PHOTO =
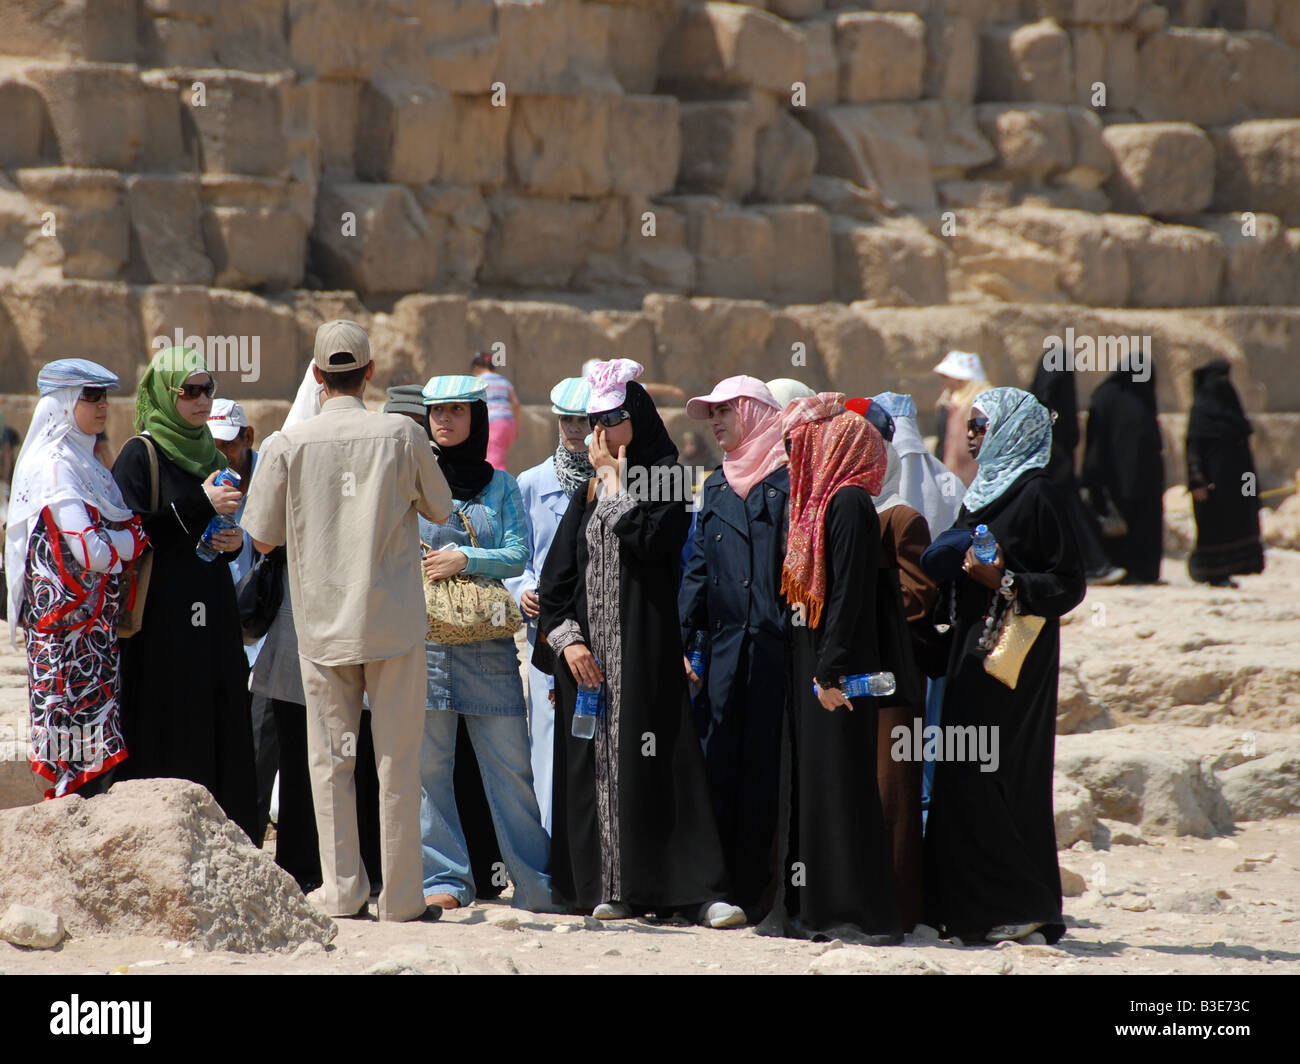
(226, 420)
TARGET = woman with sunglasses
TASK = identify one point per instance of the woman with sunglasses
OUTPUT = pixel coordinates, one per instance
(185, 701)
(990, 840)
(632, 827)
(69, 540)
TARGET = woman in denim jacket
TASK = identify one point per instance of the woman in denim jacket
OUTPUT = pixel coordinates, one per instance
(478, 681)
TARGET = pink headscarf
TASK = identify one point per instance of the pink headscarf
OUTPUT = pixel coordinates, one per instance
(761, 450)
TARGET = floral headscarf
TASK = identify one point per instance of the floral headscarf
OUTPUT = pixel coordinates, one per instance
(1019, 438)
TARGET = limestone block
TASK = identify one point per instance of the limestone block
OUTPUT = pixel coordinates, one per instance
(22, 125)
(700, 341)
(96, 319)
(167, 241)
(371, 238)
(896, 263)
(424, 336)
(952, 137)
(733, 252)
(730, 45)
(542, 341)
(1257, 168)
(785, 158)
(91, 223)
(718, 147)
(345, 39)
(467, 66)
(542, 243)
(1031, 142)
(476, 151)
(1260, 266)
(25, 249)
(108, 116)
(1027, 63)
(553, 47)
(952, 59)
(879, 148)
(102, 32)
(1100, 12)
(1093, 264)
(822, 73)
(655, 254)
(977, 194)
(255, 246)
(1092, 162)
(1163, 168)
(558, 146)
(461, 217)
(993, 262)
(636, 34)
(231, 34)
(802, 258)
(1105, 61)
(645, 148)
(1169, 265)
(881, 56)
(400, 132)
(235, 121)
(340, 100)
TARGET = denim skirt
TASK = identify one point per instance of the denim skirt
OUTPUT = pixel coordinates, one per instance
(481, 679)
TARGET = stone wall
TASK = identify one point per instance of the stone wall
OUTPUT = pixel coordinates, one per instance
(708, 187)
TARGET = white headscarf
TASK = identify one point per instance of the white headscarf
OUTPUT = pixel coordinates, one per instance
(57, 463)
(889, 495)
(925, 483)
(306, 404)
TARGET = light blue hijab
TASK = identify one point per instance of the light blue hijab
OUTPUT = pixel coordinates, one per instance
(1019, 438)
(896, 404)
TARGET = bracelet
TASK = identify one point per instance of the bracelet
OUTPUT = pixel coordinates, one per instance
(1007, 588)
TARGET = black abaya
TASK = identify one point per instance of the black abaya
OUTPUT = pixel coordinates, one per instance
(1122, 458)
(990, 841)
(668, 850)
(1218, 453)
(185, 701)
(836, 873)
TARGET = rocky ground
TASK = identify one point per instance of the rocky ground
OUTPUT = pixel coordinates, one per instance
(1178, 812)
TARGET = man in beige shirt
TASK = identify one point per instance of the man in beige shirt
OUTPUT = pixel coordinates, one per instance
(342, 490)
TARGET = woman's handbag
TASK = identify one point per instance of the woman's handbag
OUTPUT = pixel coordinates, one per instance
(259, 594)
(1005, 660)
(469, 609)
(132, 614)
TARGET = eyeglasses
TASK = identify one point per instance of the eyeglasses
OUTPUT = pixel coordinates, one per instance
(93, 395)
(977, 425)
(193, 391)
(608, 419)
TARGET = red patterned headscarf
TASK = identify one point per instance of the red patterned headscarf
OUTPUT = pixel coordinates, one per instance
(830, 448)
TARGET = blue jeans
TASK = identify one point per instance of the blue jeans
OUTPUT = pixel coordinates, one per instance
(501, 745)
(933, 706)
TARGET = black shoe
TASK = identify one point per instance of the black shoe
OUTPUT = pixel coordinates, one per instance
(431, 914)
(1224, 581)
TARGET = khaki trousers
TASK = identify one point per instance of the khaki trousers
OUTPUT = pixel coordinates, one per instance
(397, 705)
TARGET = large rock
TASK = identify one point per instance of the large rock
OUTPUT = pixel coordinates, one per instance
(1169, 265)
(543, 243)
(91, 222)
(1267, 786)
(1105, 61)
(476, 152)
(1261, 266)
(400, 132)
(235, 120)
(879, 148)
(166, 230)
(425, 336)
(459, 220)
(734, 249)
(881, 56)
(785, 156)
(636, 34)
(371, 238)
(540, 341)
(22, 125)
(700, 341)
(96, 319)
(1030, 63)
(255, 237)
(718, 139)
(32, 928)
(70, 29)
(1162, 168)
(897, 263)
(1258, 168)
(1094, 266)
(155, 858)
(645, 147)
(822, 75)
(1076, 820)
(802, 262)
(553, 47)
(559, 146)
(1032, 143)
(952, 59)
(715, 44)
(1146, 778)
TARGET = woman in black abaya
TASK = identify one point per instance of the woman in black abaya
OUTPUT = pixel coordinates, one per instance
(1122, 459)
(632, 823)
(1220, 476)
(836, 875)
(990, 843)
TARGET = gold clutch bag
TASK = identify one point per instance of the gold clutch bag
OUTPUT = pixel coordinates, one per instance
(1007, 657)
(469, 609)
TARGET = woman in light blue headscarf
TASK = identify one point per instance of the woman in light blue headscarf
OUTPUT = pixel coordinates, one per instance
(990, 844)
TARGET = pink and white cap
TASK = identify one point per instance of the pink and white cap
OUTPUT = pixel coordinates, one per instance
(608, 381)
(727, 390)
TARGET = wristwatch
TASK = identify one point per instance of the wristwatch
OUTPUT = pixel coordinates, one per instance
(1007, 588)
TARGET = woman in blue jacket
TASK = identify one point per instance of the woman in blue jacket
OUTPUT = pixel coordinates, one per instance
(730, 600)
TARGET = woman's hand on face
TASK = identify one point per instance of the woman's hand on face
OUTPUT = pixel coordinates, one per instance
(610, 469)
(441, 564)
(583, 665)
(989, 574)
(832, 698)
(228, 539)
(224, 497)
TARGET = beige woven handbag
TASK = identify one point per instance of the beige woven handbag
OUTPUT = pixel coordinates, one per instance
(468, 609)
(1007, 658)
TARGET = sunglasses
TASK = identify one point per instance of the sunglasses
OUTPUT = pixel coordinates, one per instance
(93, 395)
(608, 420)
(977, 425)
(193, 391)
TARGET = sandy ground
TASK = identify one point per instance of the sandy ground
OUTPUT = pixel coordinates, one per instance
(1176, 653)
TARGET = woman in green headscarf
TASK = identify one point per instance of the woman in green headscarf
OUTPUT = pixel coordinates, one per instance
(185, 703)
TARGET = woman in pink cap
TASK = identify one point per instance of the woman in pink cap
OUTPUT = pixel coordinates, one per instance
(731, 609)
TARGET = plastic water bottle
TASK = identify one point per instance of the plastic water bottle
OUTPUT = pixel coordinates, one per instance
(862, 684)
(589, 705)
(204, 549)
(986, 547)
(697, 658)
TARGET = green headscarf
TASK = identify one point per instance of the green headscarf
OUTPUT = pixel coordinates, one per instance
(189, 446)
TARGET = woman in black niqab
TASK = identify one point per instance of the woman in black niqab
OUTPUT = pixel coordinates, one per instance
(1221, 478)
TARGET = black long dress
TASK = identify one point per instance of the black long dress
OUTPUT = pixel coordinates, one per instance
(836, 872)
(650, 813)
(185, 701)
(990, 841)
(1218, 453)
(1123, 458)
(1055, 389)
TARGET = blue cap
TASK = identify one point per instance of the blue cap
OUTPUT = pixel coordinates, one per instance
(896, 404)
(569, 397)
(458, 388)
(74, 373)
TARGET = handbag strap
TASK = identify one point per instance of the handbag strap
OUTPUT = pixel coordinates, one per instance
(473, 539)
(154, 487)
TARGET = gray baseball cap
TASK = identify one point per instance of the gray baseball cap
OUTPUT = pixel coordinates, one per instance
(341, 345)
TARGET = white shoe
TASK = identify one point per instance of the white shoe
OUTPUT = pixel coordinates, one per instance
(1011, 932)
(721, 914)
(1113, 575)
(611, 910)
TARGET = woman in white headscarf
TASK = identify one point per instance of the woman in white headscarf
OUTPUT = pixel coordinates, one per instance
(964, 378)
(70, 536)
(924, 482)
